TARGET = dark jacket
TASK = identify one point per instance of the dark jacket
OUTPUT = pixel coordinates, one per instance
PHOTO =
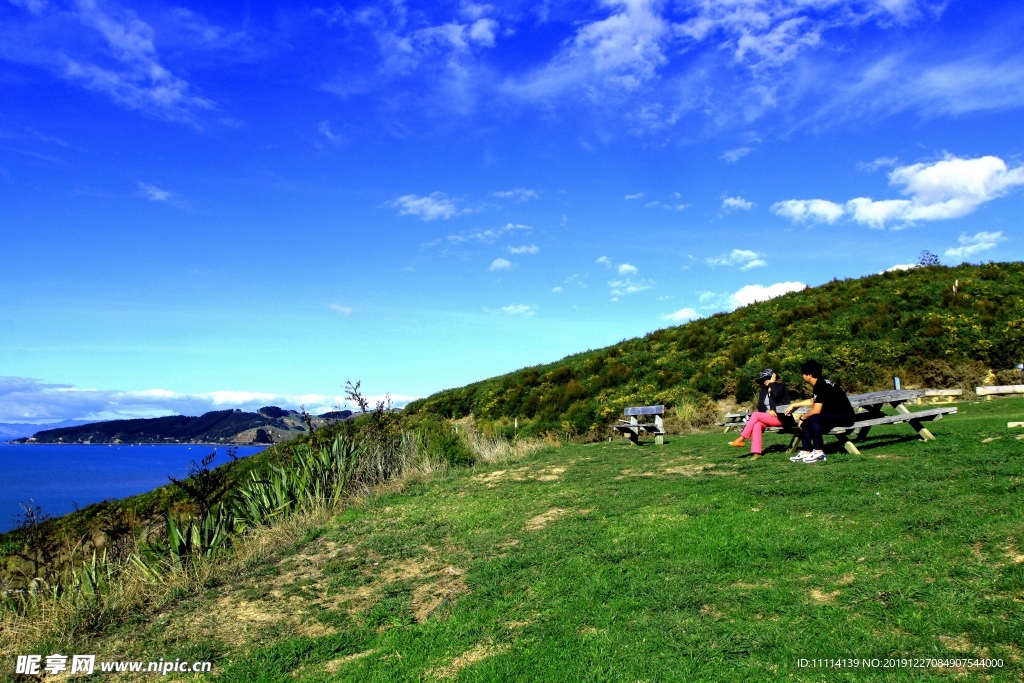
(779, 396)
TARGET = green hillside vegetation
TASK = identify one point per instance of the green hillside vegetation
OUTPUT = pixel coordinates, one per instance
(934, 327)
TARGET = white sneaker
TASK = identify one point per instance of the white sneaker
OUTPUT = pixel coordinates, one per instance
(800, 456)
(814, 456)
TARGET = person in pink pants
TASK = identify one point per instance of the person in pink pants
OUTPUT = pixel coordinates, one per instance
(772, 395)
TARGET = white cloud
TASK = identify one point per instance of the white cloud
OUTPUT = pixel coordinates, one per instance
(809, 210)
(628, 286)
(500, 264)
(941, 190)
(979, 242)
(27, 400)
(681, 316)
(731, 203)
(525, 249)
(605, 261)
(521, 310)
(638, 195)
(341, 310)
(437, 205)
(754, 293)
(154, 193)
(898, 267)
(557, 290)
(627, 269)
(734, 155)
(744, 258)
(519, 194)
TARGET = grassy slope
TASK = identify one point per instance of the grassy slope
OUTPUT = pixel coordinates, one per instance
(908, 323)
(611, 562)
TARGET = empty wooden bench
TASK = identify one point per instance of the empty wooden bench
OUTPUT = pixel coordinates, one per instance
(632, 428)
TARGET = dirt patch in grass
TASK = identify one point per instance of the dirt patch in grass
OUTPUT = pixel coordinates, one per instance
(847, 579)
(546, 474)
(689, 470)
(336, 664)
(960, 643)
(627, 473)
(479, 652)
(543, 519)
(430, 597)
(822, 598)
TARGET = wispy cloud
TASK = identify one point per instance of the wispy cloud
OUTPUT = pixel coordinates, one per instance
(941, 190)
(324, 128)
(880, 162)
(744, 258)
(154, 193)
(519, 310)
(975, 244)
(734, 155)
(627, 269)
(114, 53)
(525, 249)
(500, 264)
(519, 194)
(341, 310)
(489, 235)
(629, 286)
(630, 197)
(436, 206)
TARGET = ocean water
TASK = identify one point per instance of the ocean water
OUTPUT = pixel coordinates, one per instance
(56, 477)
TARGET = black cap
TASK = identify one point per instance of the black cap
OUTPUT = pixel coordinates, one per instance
(765, 375)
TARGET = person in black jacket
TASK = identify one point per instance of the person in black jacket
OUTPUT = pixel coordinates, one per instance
(772, 395)
(830, 408)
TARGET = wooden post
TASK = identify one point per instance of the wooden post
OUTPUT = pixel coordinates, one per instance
(916, 424)
(847, 444)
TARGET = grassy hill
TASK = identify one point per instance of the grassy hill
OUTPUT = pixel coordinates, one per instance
(933, 326)
(608, 562)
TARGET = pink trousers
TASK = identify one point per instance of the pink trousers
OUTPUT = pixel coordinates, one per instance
(756, 425)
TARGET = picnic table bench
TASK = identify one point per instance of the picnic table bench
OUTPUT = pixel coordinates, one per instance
(632, 428)
(868, 414)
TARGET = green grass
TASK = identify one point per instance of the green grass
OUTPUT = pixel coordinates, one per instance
(607, 562)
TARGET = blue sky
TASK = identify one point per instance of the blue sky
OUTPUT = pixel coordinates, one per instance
(231, 204)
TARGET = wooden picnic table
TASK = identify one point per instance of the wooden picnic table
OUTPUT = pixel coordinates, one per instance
(868, 413)
(633, 428)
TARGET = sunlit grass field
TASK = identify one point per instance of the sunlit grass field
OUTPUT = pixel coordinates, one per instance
(608, 562)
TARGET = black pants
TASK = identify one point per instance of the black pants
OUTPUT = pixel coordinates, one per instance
(817, 425)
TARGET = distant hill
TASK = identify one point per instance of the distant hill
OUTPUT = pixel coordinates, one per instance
(934, 326)
(17, 430)
(270, 425)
